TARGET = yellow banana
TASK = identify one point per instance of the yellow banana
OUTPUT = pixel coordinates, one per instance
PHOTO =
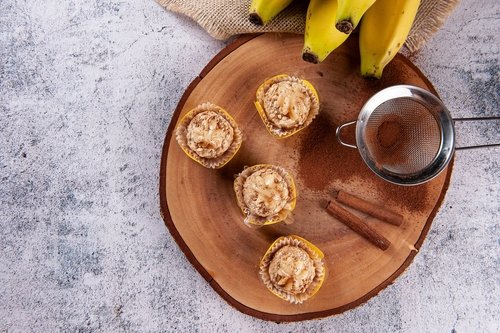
(263, 11)
(383, 32)
(320, 36)
(349, 13)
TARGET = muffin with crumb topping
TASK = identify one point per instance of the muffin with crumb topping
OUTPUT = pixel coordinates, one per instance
(265, 193)
(209, 135)
(286, 104)
(293, 269)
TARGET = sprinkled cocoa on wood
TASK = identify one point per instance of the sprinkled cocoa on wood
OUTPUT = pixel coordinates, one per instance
(322, 159)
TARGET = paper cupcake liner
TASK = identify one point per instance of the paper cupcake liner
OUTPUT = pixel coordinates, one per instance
(314, 253)
(212, 163)
(252, 220)
(259, 105)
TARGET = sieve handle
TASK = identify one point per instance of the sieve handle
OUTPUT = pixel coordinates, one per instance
(337, 134)
(477, 119)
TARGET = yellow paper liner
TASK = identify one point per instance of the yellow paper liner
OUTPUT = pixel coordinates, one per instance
(314, 253)
(259, 105)
(212, 163)
(252, 220)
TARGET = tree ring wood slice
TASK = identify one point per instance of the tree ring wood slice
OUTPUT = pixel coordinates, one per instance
(199, 206)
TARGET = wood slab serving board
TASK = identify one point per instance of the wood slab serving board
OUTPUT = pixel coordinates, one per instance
(199, 205)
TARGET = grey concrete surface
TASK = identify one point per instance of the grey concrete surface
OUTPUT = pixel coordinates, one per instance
(87, 89)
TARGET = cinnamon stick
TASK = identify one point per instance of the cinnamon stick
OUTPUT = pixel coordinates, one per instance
(356, 224)
(369, 208)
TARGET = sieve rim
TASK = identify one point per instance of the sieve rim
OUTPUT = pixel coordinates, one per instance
(442, 117)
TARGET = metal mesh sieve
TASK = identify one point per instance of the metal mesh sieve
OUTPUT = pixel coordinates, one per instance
(406, 135)
(402, 136)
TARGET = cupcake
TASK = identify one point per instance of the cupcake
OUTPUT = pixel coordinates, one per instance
(209, 135)
(265, 193)
(293, 269)
(286, 104)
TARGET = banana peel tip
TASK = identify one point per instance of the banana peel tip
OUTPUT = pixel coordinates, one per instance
(310, 57)
(255, 19)
(345, 26)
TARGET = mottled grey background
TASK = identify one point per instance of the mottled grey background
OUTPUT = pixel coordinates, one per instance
(87, 89)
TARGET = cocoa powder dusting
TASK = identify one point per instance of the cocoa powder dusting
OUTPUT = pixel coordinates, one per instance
(323, 160)
(389, 133)
(390, 148)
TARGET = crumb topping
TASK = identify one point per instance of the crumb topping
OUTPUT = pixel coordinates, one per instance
(209, 134)
(291, 270)
(265, 192)
(287, 104)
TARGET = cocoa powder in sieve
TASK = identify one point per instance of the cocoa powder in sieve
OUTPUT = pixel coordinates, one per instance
(389, 148)
(389, 133)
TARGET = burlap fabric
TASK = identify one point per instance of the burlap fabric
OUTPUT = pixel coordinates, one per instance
(225, 18)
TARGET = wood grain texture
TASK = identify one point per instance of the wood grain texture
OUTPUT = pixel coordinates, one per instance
(199, 205)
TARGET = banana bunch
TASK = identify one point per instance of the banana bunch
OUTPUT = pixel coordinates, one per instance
(385, 24)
